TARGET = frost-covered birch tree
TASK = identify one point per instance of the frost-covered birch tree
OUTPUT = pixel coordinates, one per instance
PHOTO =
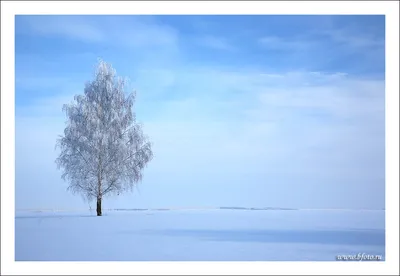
(103, 149)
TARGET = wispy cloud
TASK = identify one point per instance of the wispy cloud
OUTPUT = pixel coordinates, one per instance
(352, 49)
(350, 39)
(215, 42)
(36, 82)
(72, 27)
(278, 43)
(121, 31)
(318, 38)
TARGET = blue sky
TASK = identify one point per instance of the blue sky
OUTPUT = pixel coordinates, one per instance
(257, 111)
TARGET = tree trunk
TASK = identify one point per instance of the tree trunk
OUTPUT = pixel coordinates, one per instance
(98, 209)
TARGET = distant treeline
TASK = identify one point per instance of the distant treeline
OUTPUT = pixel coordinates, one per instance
(260, 209)
(157, 209)
(129, 209)
(222, 208)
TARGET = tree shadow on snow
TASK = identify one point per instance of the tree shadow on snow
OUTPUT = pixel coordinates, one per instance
(335, 237)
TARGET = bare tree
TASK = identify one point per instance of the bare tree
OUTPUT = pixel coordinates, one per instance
(103, 149)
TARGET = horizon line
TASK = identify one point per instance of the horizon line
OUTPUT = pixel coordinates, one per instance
(198, 208)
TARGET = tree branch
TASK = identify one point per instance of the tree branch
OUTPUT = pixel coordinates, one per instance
(109, 187)
(87, 163)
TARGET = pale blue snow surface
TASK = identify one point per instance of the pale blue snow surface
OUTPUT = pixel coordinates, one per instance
(198, 235)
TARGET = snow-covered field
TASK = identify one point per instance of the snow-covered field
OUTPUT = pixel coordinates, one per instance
(199, 235)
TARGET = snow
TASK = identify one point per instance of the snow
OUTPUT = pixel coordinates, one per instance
(199, 235)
